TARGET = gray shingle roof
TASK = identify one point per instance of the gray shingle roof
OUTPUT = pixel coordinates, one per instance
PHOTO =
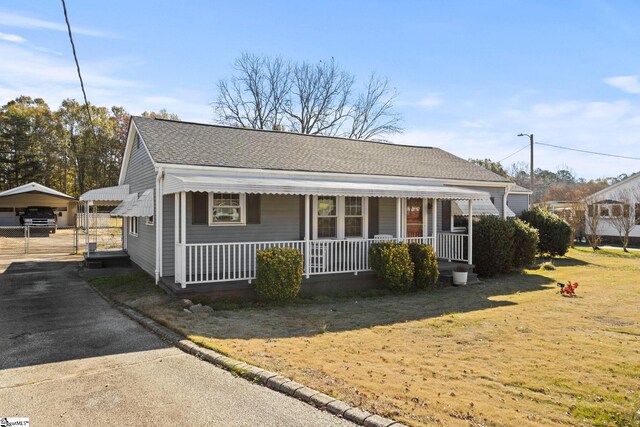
(212, 145)
(519, 189)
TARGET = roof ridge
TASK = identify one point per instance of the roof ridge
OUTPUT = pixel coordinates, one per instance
(344, 138)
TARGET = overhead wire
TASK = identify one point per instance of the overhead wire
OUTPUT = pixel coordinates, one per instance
(75, 57)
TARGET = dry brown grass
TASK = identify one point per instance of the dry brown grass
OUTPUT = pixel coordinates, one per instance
(510, 351)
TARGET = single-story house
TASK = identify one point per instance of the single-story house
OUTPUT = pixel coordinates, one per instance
(202, 199)
(13, 203)
(621, 198)
(519, 199)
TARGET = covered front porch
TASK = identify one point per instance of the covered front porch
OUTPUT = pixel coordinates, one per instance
(337, 222)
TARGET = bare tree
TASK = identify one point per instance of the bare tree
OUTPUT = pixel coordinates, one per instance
(372, 113)
(592, 222)
(621, 217)
(311, 98)
(254, 97)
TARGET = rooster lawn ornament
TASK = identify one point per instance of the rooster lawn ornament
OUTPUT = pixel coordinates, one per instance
(568, 289)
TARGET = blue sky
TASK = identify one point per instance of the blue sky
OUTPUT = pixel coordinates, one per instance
(470, 75)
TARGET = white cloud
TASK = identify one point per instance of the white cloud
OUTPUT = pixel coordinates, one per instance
(609, 127)
(430, 101)
(53, 78)
(13, 38)
(14, 20)
(629, 84)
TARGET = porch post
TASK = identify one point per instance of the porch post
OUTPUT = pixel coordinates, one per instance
(307, 231)
(398, 217)
(434, 214)
(470, 233)
(86, 226)
(183, 234)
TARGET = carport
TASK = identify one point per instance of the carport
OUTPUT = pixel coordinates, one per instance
(14, 201)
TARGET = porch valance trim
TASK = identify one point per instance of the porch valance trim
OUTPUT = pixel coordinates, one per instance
(479, 207)
(133, 205)
(106, 194)
(175, 183)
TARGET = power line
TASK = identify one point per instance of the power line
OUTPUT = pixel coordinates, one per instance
(513, 154)
(75, 57)
(588, 152)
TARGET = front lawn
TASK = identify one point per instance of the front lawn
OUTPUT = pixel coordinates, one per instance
(510, 351)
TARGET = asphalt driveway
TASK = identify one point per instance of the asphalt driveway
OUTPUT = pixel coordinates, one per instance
(68, 358)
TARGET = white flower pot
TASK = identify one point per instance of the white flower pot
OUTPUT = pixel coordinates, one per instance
(460, 277)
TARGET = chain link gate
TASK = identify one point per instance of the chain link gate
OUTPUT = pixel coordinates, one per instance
(21, 240)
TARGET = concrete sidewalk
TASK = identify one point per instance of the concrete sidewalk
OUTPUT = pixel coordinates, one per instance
(68, 358)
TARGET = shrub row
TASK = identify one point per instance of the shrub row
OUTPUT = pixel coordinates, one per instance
(501, 245)
(555, 233)
(403, 266)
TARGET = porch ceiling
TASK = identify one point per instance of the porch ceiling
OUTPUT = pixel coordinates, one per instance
(175, 183)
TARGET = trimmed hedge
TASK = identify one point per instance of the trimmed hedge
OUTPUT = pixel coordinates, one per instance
(425, 263)
(554, 232)
(525, 244)
(493, 245)
(392, 263)
(279, 274)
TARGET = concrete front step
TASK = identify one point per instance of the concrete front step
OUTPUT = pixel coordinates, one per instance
(446, 277)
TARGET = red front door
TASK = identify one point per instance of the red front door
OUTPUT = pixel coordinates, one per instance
(414, 217)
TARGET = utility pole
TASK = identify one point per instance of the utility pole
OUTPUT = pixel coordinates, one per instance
(531, 163)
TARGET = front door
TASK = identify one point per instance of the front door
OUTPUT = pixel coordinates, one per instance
(414, 218)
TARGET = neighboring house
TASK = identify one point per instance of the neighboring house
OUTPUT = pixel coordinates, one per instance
(13, 203)
(203, 198)
(518, 199)
(621, 198)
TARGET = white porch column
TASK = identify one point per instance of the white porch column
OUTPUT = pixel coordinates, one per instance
(183, 233)
(398, 217)
(434, 215)
(307, 232)
(470, 233)
(504, 203)
(157, 221)
(86, 226)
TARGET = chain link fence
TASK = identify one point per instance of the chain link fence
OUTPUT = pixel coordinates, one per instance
(21, 240)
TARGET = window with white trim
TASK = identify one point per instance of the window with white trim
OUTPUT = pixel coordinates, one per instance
(353, 217)
(227, 209)
(133, 225)
(327, 217)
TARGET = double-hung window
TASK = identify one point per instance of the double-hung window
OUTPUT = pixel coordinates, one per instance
(353, 217)
(327, 217)
(133, 225)
(227, 209)
(340, 217)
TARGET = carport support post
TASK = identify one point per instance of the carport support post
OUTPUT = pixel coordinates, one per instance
(307, 231)
(470, 232)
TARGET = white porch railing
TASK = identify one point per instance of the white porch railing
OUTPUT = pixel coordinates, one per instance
(221, 262)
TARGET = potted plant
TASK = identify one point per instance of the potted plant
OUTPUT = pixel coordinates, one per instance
(460, 273)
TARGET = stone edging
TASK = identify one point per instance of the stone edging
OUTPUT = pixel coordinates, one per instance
(252, 373)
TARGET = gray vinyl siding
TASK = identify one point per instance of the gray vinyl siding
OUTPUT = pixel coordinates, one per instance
(518, 203)
(387, 216)
(141, 176)
(279, 220)
(168, 235)
(142, 248)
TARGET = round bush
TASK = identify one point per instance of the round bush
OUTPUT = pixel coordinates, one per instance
(392, 263)
(525, 244)
(425, 273)
(279, 274)
(554, 232)
(492, 245)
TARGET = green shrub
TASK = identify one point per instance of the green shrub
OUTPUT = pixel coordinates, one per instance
(525, 244)
(279, 274)
(492, 245)
(425, 273)
(554, 232)
(392, 263)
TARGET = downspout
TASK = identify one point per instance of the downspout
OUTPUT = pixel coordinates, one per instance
(504, 202)
(158, 223)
